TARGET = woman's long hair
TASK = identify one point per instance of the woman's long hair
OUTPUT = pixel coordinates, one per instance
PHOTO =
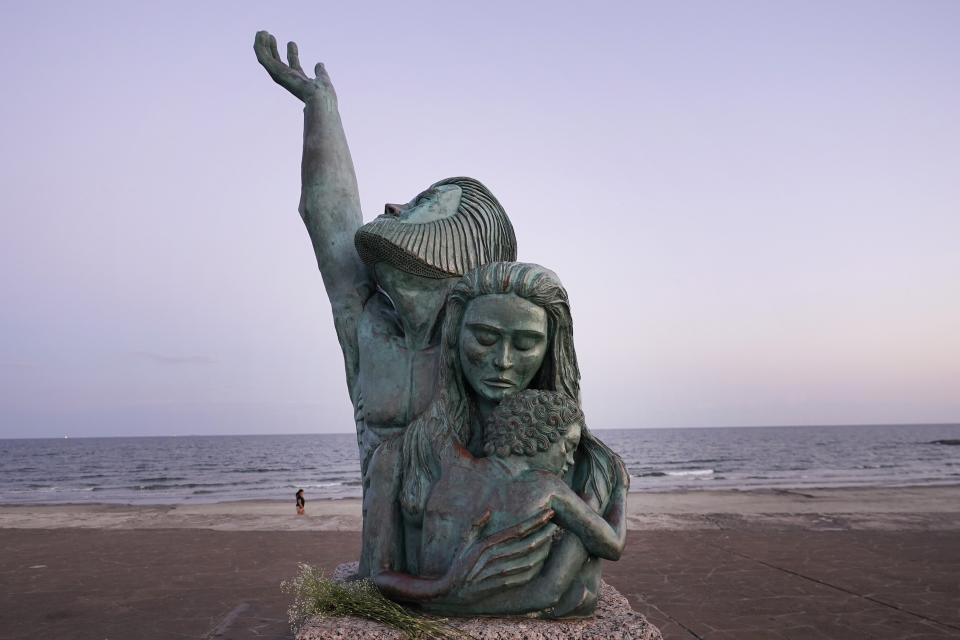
(449, 417)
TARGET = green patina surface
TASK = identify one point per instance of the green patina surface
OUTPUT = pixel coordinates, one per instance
(479, 496)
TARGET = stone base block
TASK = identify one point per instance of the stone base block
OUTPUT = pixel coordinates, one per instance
(613, 620)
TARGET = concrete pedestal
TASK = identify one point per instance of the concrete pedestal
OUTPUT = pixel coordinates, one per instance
(613, 620)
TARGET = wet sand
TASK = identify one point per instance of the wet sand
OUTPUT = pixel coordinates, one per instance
(880, 509)
(845, 564)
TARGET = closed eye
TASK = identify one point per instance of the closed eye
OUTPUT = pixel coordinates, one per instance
(527, 341)
(484, 336)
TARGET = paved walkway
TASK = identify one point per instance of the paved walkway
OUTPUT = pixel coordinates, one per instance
(714, 585)
(846, 585)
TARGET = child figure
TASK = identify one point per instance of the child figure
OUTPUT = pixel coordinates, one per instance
(530, 442)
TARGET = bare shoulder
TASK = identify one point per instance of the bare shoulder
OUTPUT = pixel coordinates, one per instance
(541, 483)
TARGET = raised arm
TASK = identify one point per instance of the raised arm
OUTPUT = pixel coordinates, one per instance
(329, 198)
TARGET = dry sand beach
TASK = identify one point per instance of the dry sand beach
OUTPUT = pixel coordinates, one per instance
(838, 563)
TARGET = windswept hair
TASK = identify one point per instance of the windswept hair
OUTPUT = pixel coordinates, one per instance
(448, 419)
(529, 422)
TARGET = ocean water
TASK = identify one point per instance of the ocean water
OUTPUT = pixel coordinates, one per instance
(171, 470)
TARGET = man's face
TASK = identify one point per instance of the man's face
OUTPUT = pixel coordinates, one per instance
(436, 203)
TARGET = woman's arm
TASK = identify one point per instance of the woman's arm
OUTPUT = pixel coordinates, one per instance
(408, 588)
(541, 593)
(504, 559)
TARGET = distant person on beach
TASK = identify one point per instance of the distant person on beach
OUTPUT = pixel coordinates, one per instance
(301, 503)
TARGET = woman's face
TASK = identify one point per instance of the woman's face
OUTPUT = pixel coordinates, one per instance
(503, 340)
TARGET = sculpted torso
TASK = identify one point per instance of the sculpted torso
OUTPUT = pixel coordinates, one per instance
(397, 339)
(396, 382)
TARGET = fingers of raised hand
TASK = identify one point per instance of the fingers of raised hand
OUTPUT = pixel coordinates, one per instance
(293, 58)
(272, 45)
(320, 73)
(265, 46)
(290, 76)
(261, 46)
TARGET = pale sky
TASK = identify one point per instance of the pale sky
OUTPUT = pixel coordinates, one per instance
(755, 206)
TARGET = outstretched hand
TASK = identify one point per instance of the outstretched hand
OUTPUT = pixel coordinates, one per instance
(290, 75)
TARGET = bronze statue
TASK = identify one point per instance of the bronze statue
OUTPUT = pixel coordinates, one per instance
(439, 326)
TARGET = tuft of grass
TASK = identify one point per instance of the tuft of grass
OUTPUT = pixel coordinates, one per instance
(316, 595)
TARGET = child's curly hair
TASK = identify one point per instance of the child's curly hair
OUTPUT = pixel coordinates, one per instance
(528, 422)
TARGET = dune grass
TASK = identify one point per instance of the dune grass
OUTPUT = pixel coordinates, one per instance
(316, 595)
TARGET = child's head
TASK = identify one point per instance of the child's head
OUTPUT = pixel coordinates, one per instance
(543, 425)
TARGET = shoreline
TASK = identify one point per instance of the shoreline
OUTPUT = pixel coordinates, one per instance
(818, 425)
(795, 490)
(799, 490)
(924, 507)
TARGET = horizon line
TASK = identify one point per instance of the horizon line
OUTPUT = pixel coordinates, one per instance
(340, 433)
